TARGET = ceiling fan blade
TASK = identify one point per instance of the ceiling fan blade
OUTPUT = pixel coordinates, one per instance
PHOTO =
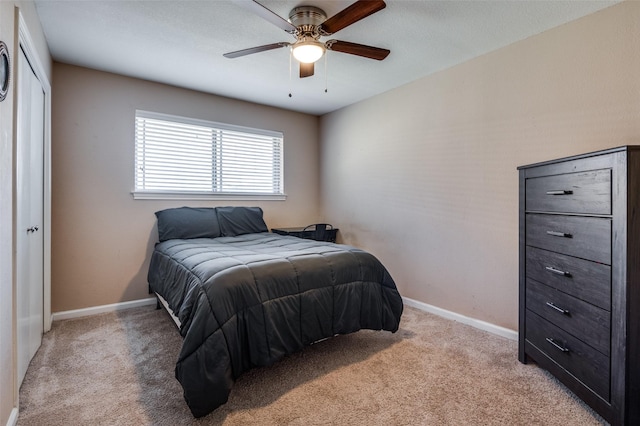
(256, 49)
(267, 14)
(357, 11)
(370, 52)
(306, 70)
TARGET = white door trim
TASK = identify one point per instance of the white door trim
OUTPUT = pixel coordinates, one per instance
(28, 46)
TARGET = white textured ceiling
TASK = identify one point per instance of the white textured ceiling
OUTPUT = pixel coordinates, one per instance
(181, 43)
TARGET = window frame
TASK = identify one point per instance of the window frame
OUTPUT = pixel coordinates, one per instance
(145, 194)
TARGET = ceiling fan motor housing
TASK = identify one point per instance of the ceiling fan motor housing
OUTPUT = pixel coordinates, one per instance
(307, 16)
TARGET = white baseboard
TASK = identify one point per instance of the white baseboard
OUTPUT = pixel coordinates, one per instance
(482, 325)
(85, 312)
(13, 417)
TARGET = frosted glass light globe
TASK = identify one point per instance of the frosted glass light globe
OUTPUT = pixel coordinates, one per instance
(308, 51)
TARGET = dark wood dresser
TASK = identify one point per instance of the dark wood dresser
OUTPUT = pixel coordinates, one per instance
(580, 276)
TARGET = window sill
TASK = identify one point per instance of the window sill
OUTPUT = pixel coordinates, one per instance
(158, 195)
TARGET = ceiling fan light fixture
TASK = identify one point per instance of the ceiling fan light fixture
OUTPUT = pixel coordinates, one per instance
(309, 51)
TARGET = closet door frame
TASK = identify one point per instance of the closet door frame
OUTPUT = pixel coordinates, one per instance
(28, 47)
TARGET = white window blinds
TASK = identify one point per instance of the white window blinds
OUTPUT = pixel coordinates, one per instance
(182, 155)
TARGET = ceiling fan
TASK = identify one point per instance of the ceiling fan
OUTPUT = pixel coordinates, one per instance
(308, 24)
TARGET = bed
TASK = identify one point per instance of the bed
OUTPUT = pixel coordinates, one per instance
(245, 298)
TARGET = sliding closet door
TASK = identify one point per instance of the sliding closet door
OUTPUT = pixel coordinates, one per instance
(30, 214)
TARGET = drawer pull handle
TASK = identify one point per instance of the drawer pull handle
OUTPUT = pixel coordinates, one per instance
(557, 308)
(559, 234)
(557, 271)
(557, 345)
(561, 192)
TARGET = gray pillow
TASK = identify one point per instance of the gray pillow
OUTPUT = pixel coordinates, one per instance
(187, 222)
(240, 220)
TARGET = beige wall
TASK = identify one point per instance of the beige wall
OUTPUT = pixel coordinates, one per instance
(425, 176)
(102, 238)
(9, 34)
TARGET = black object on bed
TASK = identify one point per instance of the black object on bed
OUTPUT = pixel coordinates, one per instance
(247, 300)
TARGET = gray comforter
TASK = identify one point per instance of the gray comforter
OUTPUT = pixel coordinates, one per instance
(247, 301)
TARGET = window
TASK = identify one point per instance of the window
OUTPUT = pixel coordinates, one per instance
(178, 157)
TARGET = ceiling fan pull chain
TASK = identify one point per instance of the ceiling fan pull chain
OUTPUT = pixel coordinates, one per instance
(326, 74)
(290, 60)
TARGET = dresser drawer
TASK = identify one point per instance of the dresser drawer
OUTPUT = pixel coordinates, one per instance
(583, 192)
(582, 361)
(586, 280)
(589, 323)
(584, 237)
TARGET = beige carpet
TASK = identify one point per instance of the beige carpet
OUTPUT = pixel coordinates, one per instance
(117, 369)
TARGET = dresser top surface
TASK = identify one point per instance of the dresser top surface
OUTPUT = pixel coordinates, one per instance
(586, 155)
